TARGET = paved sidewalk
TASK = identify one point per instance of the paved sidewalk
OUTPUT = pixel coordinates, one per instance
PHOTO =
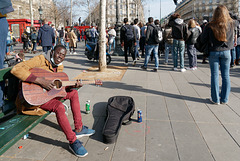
(179, 122)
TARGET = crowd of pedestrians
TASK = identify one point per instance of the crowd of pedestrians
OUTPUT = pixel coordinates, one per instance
(221, 36)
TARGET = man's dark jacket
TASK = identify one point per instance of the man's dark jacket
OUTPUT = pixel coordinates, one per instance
(46, 35)
(179, 29)
(150, 39)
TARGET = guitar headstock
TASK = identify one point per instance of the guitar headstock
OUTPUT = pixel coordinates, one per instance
(98, 82)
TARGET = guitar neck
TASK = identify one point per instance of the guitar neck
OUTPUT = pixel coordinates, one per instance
(72, 83)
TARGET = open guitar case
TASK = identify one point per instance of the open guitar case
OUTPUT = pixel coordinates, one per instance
(119, 111)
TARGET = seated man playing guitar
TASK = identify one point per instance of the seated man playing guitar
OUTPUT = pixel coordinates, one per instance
(52, 62)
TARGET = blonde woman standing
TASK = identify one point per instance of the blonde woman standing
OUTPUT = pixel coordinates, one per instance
(219, 33)
(192, 39)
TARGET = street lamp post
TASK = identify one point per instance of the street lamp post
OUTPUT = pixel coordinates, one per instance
(40, 10)
(160, 11)
(118, 49)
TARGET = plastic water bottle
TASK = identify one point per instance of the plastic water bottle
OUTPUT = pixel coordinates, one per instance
(139, 115)
(88, 106)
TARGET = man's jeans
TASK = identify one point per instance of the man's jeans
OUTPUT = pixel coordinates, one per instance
(110, 45)
(46, 48)
(3, 46)
(128, 47)
(192, 56)
(56, 106)
(168, 48)
(62, 41)
(34, 46)
(223, 59)
(238, 52)
(233, 56)
(178, 48)
(136, 49)
(149, 49)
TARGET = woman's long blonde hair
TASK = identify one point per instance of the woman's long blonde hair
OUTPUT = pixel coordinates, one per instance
(220, 23)
(192, 23)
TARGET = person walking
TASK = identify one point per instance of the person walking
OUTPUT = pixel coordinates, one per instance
(151, 45)
(204, 59)
(168, 40)
(138, 34)
(72, 41)
(143, 29)
(46, 36)
(180, 34)
(128, 40)
(111, 42)
(192, 39)
(61, 35)
(233, 50)
(219, 34)
(66, 39)
(34, 40)
(94, 34)
(25, 40)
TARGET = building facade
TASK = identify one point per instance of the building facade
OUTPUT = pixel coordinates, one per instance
(22, 9)
(203, 9)
(127, 8)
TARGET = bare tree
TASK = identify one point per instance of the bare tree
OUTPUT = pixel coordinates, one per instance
(102, 38)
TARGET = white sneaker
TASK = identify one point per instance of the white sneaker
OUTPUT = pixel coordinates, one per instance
(215, 103)
(70, 53)
(175, 69)
(194, 68)
(74, 53)
(125, 63)
(183, 70)
(134, 62)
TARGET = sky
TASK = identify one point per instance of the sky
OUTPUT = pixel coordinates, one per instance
(167, 6)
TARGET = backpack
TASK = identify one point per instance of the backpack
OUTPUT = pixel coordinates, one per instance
(202, 47)
(157, 33)
(88, 33)
(129, 35)
(34, 36)
(61, 33)
(119, 112)
(24, 36)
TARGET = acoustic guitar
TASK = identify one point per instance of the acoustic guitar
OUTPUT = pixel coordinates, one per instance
(36, 95)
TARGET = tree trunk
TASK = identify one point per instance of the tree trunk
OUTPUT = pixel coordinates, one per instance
(102, 37)
(31, 12)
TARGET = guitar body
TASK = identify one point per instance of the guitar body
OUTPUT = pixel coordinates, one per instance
(36, 95)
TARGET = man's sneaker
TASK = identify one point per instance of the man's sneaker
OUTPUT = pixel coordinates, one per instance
(165, 63)
(215, 103)
(85, 132)
(125, 63)
(183, 70)
(175, 69)
(224, 103)
(70, 53)
(154, 70)
(74, 53)
(134, 62)
(143, 67)
(78, 149)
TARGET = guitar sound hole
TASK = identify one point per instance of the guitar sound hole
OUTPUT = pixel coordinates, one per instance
(58, 84)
